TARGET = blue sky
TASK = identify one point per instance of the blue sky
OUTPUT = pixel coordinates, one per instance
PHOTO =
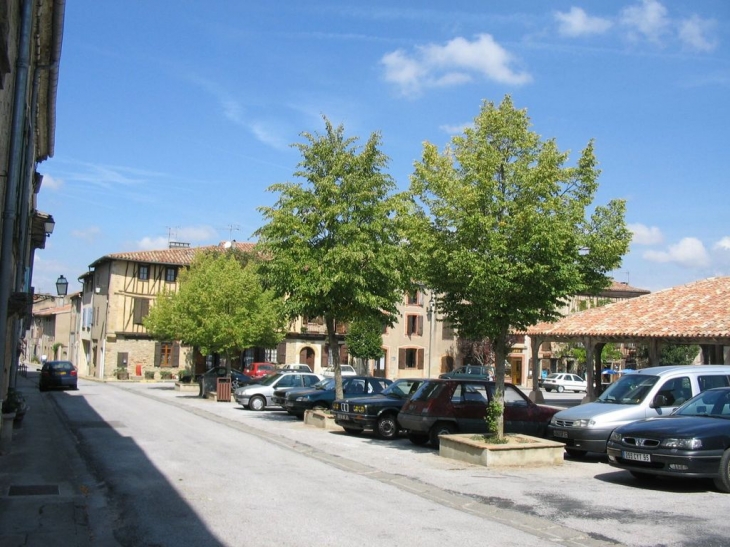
(172, 122)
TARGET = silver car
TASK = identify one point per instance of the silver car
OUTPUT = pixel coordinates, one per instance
(258, 396)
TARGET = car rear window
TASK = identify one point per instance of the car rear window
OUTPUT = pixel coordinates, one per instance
(428, 390)
(709, 382)
(62, 366)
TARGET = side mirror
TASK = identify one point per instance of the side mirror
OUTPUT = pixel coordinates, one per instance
(660, 401)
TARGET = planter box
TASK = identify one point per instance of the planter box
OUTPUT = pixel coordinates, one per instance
(323, 420)
(187, 388)
(521, 450)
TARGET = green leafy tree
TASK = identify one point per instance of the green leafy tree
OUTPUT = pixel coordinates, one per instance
(333, 242)
(365, 338)
(220, 307)
(504, 233)
(671, 354)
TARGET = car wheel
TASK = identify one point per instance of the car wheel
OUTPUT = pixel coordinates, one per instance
(257, 403)
(576, 454)
(441, 428)
(722, 482)
(561, 389)
(387, 427)
(352, 430)
(548, 390)
(418, 438)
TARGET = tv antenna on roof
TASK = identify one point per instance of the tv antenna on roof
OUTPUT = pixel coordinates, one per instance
(231, 229)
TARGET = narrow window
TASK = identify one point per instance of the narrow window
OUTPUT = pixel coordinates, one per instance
(170, 274)
(144, 272)
(141, 309)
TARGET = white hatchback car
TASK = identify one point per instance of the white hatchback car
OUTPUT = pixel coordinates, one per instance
(561, 381)
(258, 396)
(346, 370)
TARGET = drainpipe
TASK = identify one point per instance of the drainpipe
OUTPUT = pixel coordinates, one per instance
(14, 174)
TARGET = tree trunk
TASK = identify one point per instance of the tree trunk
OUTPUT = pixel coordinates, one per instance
(334, 354)
(500, 355)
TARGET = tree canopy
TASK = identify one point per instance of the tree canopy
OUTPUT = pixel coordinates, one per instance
(507, 231)
(333, 242)
(365, 338)
(221, 307)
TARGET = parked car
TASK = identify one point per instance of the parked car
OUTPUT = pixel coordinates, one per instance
(693, 442)
(447, 406)
(297, 367)
(209, 379)
(648, 392)
(280, 393)
(58, 374)
(346, 370)
(470, 371)
(258, 396)
(379, 412)
(561, 381)
(259, 370)
(323, 396)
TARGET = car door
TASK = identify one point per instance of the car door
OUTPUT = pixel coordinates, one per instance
(669, 396)
(286, 381)
(520, 413)
(469, 403)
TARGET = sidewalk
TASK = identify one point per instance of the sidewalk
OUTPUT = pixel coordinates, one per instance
(47, 497)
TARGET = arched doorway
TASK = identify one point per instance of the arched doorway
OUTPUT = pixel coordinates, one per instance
(306, 357)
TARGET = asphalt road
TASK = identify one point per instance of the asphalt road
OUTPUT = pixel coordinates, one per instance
(179, 470)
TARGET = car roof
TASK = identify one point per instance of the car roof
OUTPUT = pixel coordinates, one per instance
(671, 369)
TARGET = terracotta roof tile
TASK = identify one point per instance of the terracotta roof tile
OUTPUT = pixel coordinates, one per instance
(696, 310)
(179, 256)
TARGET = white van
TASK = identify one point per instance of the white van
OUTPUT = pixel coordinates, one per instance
(648, 392)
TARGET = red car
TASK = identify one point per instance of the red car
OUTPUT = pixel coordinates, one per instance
(443, 407)
(259, 370)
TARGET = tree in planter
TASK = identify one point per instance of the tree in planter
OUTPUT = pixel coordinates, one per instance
(365, 338)
(220, 307)
(503, 235)
(334, 242)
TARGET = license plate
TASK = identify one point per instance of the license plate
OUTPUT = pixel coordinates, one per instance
(61, 373)
(635, 456)
(560, 433)
(342, 417)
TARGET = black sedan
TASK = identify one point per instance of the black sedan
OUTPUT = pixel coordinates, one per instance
(322, 396)
(694, 441)
(379, 412)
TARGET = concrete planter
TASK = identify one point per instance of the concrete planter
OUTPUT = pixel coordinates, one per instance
(321, 419)
(187, 388)
(521, 450)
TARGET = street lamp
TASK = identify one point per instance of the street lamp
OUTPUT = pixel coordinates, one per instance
(62, 286)
(48, 226)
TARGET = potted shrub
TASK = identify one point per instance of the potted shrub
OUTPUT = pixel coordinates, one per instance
(15, 404)
(149, 374)
(122, 373)
(166, 375)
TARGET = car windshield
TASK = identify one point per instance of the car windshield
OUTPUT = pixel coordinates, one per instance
(629, 390)
(400, 389)
(715, 402)
(427, 391)
(271, 379)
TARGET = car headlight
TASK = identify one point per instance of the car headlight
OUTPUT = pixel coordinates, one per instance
(684, 444)
(360, 409)
(301, 399)
(615, 437)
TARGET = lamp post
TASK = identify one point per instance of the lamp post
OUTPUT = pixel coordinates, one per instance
(48, 225)
(431, 314)
(62, 286)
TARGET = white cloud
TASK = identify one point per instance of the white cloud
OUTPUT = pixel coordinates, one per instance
(196, 233)
(89, 234)
(454, 63)
(577, 22)
(455, 129)
(645, 235)
(695, 33)
(49, 183)
(152, 243)
(689, 253)
(723, 244)
(648, 20)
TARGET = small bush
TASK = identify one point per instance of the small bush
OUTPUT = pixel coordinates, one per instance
(166, 374)
(149, 374)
